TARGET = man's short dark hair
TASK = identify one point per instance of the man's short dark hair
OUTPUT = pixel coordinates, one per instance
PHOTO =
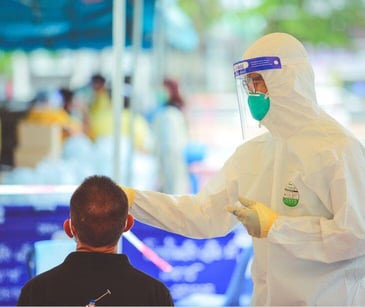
(99, 208)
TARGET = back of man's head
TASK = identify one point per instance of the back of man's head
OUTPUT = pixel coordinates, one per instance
(98, 210)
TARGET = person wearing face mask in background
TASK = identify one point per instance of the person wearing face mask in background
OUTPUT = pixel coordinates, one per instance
(170, 132)
(298, 188)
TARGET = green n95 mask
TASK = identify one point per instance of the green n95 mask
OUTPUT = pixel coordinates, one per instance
(259, 105)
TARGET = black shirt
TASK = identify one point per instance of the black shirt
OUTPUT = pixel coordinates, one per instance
(86, 276)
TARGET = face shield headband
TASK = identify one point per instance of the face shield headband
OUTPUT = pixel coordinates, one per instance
(244, 67)
(241, 69)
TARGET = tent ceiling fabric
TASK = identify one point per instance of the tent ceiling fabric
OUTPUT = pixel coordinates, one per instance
(71, 24)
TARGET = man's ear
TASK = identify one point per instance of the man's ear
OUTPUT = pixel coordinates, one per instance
(67, 227)
(128, 223)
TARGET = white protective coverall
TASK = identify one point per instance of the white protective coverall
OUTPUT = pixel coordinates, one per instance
(314, 253)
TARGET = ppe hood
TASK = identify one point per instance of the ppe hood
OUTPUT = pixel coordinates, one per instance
(291, 88)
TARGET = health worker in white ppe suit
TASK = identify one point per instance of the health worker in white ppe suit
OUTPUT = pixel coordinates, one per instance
(298, 188)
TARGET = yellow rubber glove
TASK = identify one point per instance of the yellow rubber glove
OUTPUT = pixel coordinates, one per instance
(255, 216)
(130, 192)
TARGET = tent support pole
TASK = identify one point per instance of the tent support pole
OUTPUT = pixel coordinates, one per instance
(117, 83)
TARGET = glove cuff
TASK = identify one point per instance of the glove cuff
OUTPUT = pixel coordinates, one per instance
(267, 217)
(130, 192)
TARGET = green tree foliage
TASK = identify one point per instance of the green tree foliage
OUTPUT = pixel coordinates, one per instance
(5, 63)
(332, 23)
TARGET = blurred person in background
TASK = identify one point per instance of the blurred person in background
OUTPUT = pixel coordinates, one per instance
(101, 117)
(170, 132)
(140, 128)
(95, 272)
(298, 188)
(76, 110)
(100, 108)
(47, 108)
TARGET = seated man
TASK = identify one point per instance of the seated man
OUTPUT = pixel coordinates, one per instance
(96, 273)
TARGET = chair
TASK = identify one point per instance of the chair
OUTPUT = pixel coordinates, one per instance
(238, 291)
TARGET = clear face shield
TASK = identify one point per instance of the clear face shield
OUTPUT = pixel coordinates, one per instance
(248, 82)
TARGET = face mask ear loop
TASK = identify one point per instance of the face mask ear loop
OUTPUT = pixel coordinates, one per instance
(266, 97)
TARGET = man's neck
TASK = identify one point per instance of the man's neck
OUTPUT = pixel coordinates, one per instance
(81, 247)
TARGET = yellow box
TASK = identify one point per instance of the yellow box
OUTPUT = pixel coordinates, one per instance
(36, 142)
(34, 135)
(29, 157)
